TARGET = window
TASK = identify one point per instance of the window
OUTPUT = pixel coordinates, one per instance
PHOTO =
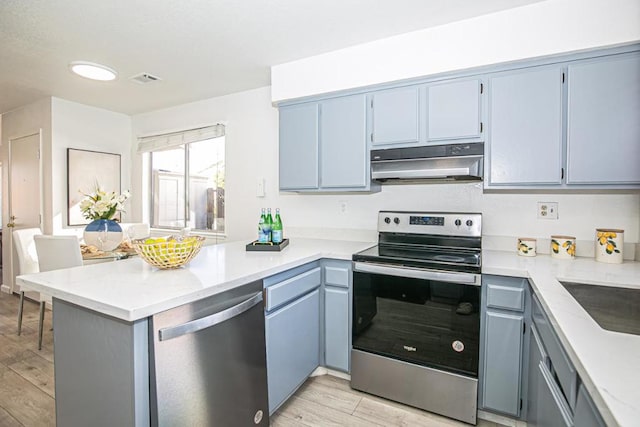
(187, 178)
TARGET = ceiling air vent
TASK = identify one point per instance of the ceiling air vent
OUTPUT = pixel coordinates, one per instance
(145, 78)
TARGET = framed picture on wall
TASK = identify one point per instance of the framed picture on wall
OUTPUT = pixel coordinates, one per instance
(85, 169)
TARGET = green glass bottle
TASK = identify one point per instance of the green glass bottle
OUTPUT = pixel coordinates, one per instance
(263, 236)
(269, 223)
(276, 230)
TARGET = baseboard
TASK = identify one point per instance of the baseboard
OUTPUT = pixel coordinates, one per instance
(500, 419)
(5, 288)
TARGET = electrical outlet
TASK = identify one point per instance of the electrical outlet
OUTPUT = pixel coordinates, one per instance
(342, 205)
(548, 210)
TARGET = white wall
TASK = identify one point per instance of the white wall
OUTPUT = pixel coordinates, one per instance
(88, 128)
(539, 29)
(252, 152)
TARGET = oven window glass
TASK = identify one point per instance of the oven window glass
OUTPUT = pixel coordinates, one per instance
(426, 322)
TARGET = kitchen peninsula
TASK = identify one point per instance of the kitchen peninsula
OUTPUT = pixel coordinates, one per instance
(128, 292)
(102, 321)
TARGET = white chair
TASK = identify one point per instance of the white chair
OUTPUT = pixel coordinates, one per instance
(27, 260)
(135, 230)
(55, 253)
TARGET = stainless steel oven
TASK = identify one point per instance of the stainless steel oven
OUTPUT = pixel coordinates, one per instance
(416, 312)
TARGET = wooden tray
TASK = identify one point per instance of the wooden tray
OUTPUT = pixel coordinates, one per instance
(267, 247)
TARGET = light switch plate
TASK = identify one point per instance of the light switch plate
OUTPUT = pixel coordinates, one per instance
(260, 188)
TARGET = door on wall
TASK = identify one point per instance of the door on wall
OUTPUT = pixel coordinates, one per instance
(25, 192)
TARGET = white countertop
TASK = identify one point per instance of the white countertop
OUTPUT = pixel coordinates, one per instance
(131, 289)
(608, 362)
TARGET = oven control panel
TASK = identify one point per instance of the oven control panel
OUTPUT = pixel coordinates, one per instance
(439, 223)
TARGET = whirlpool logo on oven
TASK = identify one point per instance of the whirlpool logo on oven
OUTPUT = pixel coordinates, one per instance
(457, 346)
(409, 348)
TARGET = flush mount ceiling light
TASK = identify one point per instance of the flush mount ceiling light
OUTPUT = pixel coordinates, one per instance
(93, 71)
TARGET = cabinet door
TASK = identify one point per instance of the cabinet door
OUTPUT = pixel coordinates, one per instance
(454, 110)
(336, 323)
(536, 356)
(395, 116)
(299, 147)
(603, 136)
(343, 145)
(586, 413)
(552, 409)
(525, 127)
(503, 353)
(293, 346)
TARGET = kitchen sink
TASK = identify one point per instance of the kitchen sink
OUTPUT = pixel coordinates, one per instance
(613, 308)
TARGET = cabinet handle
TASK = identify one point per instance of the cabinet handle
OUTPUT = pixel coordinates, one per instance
(562, 173)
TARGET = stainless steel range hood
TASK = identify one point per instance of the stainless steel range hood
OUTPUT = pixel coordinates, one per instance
(437, 163)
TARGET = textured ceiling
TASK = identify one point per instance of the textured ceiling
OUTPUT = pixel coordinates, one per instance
(200, 48)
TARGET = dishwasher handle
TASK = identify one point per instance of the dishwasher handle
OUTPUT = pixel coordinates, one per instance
(209, 321)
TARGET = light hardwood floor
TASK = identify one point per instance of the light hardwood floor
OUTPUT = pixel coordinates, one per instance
(27, 395)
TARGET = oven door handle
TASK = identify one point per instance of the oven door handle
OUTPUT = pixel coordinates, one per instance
(462, 278)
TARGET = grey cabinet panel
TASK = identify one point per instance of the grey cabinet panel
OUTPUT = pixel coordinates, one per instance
(293, 346)
(603, 127)
(502, 362)
(299, 147)
(343, 148)
(101, 368)
(525, 127)
(505, 297)
(454, 110)
(395, 116)
(552, 410)
(537, 355)
(336, 321)
(563, 369)
(586, 413)
(292, 288)
(337, 275)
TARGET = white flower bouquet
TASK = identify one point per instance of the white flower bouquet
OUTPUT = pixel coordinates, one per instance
(102, 204)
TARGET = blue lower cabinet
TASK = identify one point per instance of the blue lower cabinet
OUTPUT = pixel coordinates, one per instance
(502, 362)
(336, 323)
(293, 346)
(504, 345)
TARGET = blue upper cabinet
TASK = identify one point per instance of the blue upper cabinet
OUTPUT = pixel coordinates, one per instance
(603, 125)
(395, 117)
(343, 149)
(323, 146)
(525, 127)
(299, 147)
(454, 110)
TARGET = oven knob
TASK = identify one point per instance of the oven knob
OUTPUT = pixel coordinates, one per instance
(469, 223)
(396, 220)
(457, 222)
(387, 220)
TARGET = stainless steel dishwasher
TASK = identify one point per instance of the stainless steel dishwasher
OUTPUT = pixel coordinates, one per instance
(208, 362)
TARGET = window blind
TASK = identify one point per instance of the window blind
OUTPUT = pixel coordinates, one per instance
(171, 140)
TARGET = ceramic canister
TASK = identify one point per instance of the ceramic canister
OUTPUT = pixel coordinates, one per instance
(526, 246)
(563, 247)
(609, 244)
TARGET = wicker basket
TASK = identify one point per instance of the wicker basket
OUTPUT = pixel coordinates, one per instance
(169, 252)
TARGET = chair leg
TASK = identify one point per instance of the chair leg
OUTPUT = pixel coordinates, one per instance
(41, 325)
(20, 307)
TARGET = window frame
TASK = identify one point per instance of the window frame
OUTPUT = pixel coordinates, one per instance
(186, 177)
